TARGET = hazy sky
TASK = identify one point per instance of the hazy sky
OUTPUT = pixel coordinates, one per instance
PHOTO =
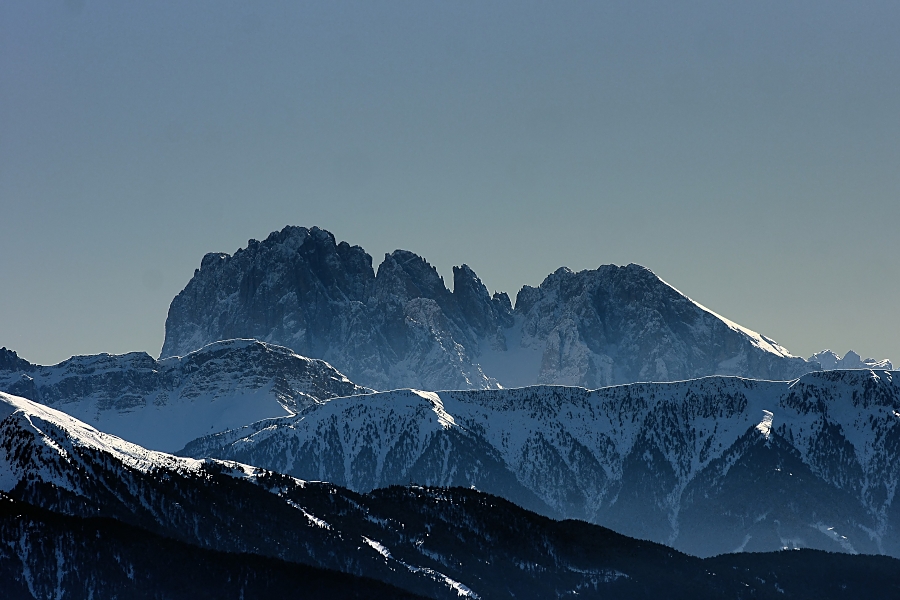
(748, 153)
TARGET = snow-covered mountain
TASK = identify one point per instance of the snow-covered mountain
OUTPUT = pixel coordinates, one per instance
(163, 404)
(830, 360)
(86, 514)
(402, 327)
(711, 465)
(53, 461)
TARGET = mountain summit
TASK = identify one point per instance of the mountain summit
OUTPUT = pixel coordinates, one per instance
(402, 326)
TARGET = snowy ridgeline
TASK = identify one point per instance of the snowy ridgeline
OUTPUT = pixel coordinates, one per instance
(47, 458)
(402, 327)
(169, 521)
(831, 361)
(163, 404)
(709, 465)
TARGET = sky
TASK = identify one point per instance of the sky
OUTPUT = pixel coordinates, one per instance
(748, 153)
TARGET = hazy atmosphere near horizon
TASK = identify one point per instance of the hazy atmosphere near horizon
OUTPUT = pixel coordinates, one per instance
(748, 154)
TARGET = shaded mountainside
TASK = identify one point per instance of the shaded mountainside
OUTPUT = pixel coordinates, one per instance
(50, 555)
(163, 404)
(76, 492)
(402, 327)
(712, 465)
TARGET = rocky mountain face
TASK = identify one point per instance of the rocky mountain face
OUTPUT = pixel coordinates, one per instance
(84, 512)
(623, 324)
(300, 289)
(712, 465)
(402, 327)
(832, 361)
(163, 404)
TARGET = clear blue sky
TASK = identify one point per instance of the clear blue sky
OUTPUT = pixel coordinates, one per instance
(748, 153)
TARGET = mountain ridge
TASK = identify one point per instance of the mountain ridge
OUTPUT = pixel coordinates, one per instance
(652, 460)
(402, 327)
(163, 404)
(441, 543)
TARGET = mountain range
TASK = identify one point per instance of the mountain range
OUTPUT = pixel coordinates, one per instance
(403, 328)
(603, 436)
(708, 466)
(830, 360)
(86, 514)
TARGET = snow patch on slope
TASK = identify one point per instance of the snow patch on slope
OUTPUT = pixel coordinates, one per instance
(462, 590)
(765, 426)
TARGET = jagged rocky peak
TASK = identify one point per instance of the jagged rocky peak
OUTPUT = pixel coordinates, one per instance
(483, 312)
(291, 288)
(617, 325)
(403, 327)
(301, 289)
(631, 285)
(10, 361)
(405, 276)
(830, 360)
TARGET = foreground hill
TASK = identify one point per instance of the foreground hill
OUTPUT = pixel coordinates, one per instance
(712, 465)
(52, 555)
(70, 492)
(402, 327)
(163, 404)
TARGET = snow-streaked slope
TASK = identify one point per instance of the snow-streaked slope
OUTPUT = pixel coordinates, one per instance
(762, 342)
(17, 465)
(163, 404)
(650, 460)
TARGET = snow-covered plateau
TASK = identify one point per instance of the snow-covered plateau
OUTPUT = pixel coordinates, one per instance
(711, 465)
(163, 404)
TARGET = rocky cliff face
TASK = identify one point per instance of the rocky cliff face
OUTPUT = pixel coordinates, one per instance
(402, 327)
(301, 289)
(711, 465)
(163, 404)
(623, 324)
